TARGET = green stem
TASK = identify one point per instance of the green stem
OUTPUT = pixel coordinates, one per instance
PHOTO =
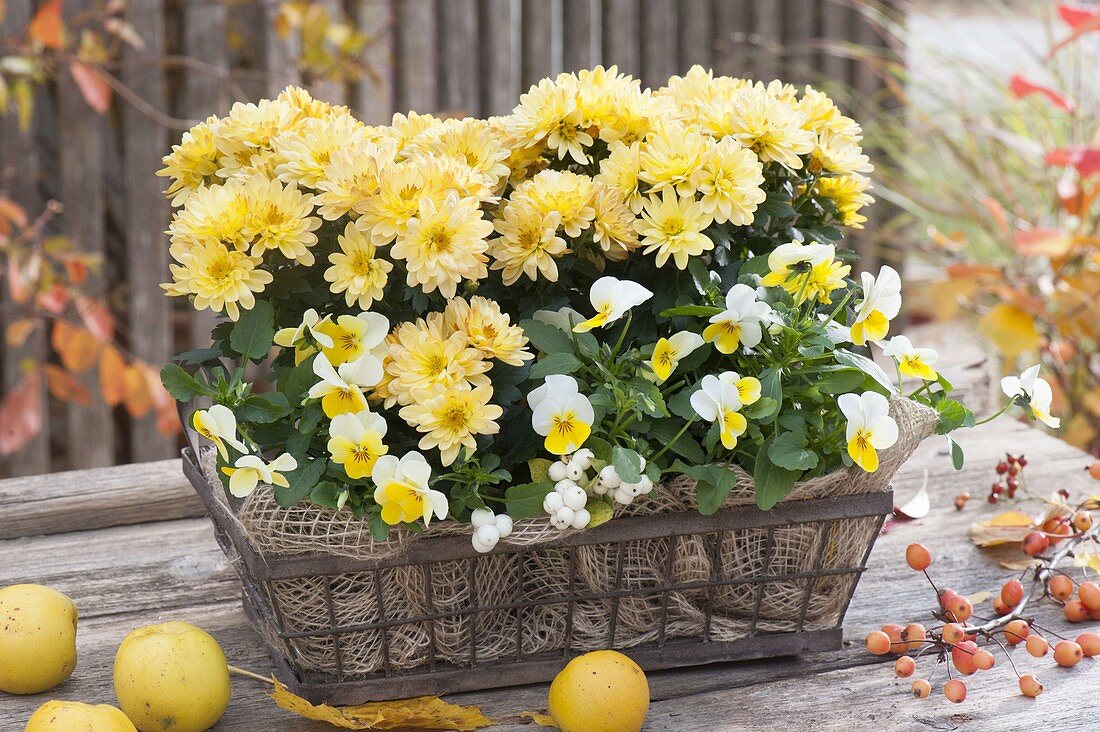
(672, 442)
(622, 335)
(996, 414)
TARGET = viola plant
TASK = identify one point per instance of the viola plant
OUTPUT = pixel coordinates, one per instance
(541, 314)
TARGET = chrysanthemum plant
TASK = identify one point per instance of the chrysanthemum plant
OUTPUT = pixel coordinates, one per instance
(542, 313)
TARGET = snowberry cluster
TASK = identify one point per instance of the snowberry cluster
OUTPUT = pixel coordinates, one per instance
(566, 504)
(489, 528)
(610, 484)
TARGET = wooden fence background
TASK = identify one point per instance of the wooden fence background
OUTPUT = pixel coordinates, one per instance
(468, 56)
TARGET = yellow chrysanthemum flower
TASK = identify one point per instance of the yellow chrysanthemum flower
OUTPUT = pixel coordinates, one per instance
(567, 193)
(444, 245)
(548, 113)
(823, 116)
(849, 194)
(620, 170)
(401, 187)
(672, 157)
(216, 213)
(528, 243)
(219, 278)
(840, 155)
(404, 128)
(304, 153)
(452, 417)
(352, 177)
(730, 182)
(305, 106)
(279, 219)
(192, 164)
(632, 115)
(248, 130)
(423, 356)
(470, 141)
(613, 227)
(672, 227)
(357, 270)
(769, 126)
(488, 329)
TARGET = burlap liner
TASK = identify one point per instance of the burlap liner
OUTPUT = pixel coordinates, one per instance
(542, 573)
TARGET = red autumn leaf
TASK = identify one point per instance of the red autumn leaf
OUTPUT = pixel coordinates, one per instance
(47, 27)
(18, 331)
(112, 376)
(1022, 87)
(97, 317)
(21, 413)
(168, 419)
(64, 385)
(1085, 159)
(93, 87)
(13, 212)
(54, 300)
(1075, 16)
(136, 396)
(76, 268)
(17, 285)
(77, 348)
(1042, 242)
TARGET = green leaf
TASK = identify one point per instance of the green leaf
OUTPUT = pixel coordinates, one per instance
(680, 403)
(546, 337)
(295, 382)
(326, 494)
(773, 482)
(540, 470)
(254, 332)
(601, 512)
(302, 479)
(664, 430)
(956, 454)
(628, 464)
(762, 408)
(953, 415)
(198, 356)
(563, 362)
(263, 408)
(839, 382)
(525, 500)
(699, 311)
(867, 366)
(379, 529)
(311, 418)
(788, 450)
(712, 484)
(600, 448)
(181, 385)
(771, 386)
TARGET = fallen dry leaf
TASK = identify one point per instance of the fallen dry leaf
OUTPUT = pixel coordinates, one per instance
(1087, 559)
(1004, 528)
(543, 720)
(1020, 565)
(979, 597)
(420, 713)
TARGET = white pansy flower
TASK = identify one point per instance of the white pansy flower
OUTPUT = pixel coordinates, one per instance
(249, 470)
(341, 390)
(612, 298)
(218, 425)
(880, 304)
(719, 402)
(402, 490)
(911, 361)
(739, 323)
(870, 427)
(561, 414)
(355, 441)
(1029, 385)
(563, 319)
(304, 336)
(669, 351)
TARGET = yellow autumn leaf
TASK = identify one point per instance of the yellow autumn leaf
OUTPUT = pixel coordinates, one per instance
(979, 597)
(601, 513)
(1004, 528)
(1011, 329)
(420, 713)
(1020, 564)
(1087, 559)
(543, 720)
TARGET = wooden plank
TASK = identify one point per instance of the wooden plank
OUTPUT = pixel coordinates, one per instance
(799, 36)
(458, 43)
(659, 46)
(767, 40)
(91, 430)
(146, 217)
(836, 27)
(334, 91)
(375, 102)
(732, 27)
(203, 92)
(622, 26)
(416, 65)
(696, 34)
(541, 43)
(581, 44)
(499, 61)
(96, 498)
(19, 171)
(280, 54)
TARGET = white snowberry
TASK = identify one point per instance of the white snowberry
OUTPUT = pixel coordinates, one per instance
(573, 471)
(575, 498)
(599, 488)
(563, 518)
(503, 523)
(581, 518)
(481, 517)
(552, 502)
(624, 497)
(582, 458)
(609, 477)
(564, 485)
(646, 484)
(485, 538)
(557, 471)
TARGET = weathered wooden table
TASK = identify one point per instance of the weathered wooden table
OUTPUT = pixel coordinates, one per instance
(130, 546)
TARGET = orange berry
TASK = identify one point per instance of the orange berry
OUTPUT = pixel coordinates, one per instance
(953, 633)
(1016, 631)
(1089, 593)
(1000, 606)
(955, 691)
(1035, 544)
(984, 660)
(1056, 526)
(1094, 614)
(1037, 645)
(915, 634)
(1082, 520)
(1094, 470)
(1090, 644)
(895, 631)
(1067, 653)
(1075, 611)
(959, 609)
(878, 642)
(921, 688)
(918, 557)
(1060, 586)
(1030, 686)
(1012, 592)
(946, 594)
(905, 666)
(962, 655)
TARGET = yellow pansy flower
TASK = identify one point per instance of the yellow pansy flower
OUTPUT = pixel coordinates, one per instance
(561, 414)
(304, 338)
(870, 427)
(911, 361)
(668, 352)
(341, 390)
(718, 401)
(249, 470)
(612, 298)
(355, 441)
(880, 304)
(219, 425)
(402, 490)
(353, 336)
